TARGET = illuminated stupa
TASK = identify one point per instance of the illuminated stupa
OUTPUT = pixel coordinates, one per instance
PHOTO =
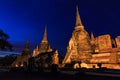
(90, 50)
(44, 55)
(44, 46)
(79, 47)
(22, 59)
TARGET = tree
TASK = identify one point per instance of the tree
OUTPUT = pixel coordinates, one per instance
(4, 44)
(8, 59)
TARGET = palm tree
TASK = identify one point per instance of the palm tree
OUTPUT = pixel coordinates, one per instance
(4, 44)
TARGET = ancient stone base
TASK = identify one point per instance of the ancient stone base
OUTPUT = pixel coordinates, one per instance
(110, 66)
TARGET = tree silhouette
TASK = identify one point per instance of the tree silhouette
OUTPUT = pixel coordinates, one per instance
(4, 44)
(8, 59)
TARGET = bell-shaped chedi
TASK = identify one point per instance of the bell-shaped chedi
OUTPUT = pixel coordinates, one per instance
(44, 54)
(79, 47)
(26, 50)
(44, 45)
(22, 59)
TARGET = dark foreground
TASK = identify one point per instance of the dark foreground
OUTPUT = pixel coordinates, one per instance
(51, 76)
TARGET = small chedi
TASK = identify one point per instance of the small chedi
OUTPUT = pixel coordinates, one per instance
(44, 46)
(88, 51)
(44, 55)
(22, 60)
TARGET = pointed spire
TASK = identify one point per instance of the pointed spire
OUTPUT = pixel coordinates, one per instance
(78, 20)
(92, 39)
(92, 36)
(27, 44)
(37, 47)
(45, 36)
(78, 23)
(26, 50)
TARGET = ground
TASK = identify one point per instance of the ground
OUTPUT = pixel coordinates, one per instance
(51, 76)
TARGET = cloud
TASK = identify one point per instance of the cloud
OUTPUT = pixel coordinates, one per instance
(4, 53)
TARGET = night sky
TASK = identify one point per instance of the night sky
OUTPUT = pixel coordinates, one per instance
(26, 19)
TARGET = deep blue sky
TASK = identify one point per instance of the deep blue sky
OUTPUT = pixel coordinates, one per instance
(26, 19)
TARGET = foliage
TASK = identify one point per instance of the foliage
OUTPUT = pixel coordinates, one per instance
(31, 64)
(43, 60)
(7, 60)
(4, 44)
